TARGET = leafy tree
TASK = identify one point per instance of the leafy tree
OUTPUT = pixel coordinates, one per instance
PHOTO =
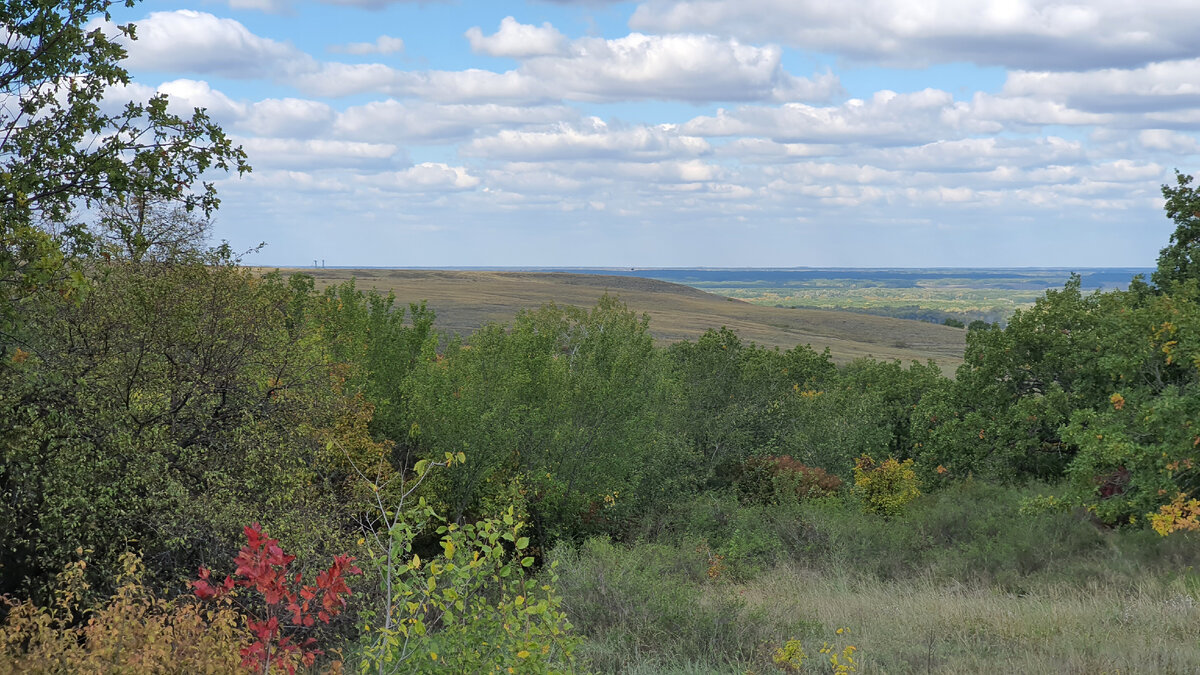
(1181, 259)
(168, 405)
(139, 229)
(1018, 385)
(736, 397)
(60, 150)
(565, 408)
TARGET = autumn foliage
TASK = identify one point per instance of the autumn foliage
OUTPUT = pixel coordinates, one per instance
(290, 606)
(774, 479)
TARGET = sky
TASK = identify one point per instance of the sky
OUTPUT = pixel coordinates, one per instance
(686, 133)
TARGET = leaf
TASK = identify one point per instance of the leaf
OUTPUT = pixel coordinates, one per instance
(527, 562)
(522, 543)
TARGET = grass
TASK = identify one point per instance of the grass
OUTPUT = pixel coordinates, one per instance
(465, 300)
(961, 583)
(927, 625)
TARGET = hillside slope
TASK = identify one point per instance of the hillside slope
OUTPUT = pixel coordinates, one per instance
(464, 300)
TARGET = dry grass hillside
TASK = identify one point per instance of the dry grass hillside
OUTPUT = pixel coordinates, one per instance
(464, 300)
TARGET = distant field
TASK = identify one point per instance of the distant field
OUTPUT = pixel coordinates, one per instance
(922, 294)
(466, 299)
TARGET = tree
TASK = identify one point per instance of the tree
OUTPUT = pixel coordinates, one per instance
(1181, 259)
(60, 151)
(140, 229)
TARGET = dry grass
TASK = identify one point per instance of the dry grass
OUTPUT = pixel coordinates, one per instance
(464, 300)
(920, 626)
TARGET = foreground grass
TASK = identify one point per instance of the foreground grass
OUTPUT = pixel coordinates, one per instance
(963, 583)
(926, 625)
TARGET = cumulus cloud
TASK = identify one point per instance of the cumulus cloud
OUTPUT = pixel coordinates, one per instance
(1154, 87)
(290, 153)
(288, 117)
(198, 42)
(693, 68)
(517, 40)
(1165, 140)
(384, 44)
(428, 176)
(887, 118)
(1031, 34)
(424, 122)
(593, 140)
(675, 67)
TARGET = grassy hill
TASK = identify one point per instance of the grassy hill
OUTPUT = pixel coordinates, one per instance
(464, 300)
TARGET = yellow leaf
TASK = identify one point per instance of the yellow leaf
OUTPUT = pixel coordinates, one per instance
(522, 654)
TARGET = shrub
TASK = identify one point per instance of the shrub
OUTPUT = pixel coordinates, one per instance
(133, 632)
(474, 608)
(885, 488)
(263, 566)
(777, 480)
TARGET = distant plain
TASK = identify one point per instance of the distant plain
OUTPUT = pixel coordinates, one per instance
(466, 299)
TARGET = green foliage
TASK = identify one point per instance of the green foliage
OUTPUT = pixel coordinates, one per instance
(1178, 261)
(735, 397)
(571, 404)
(1001, 417)
(170, 404)
(476, 607)
(885, 488)
(1137, 449)
(56, 64)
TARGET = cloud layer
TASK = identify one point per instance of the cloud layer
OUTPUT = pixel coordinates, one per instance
(693, 137)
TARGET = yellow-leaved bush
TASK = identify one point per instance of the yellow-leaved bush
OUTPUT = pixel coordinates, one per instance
(133, 632)
(885, 488)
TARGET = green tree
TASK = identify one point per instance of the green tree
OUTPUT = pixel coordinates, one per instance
(1001, 417)
(1181, 259)
(163, 410)
(60, 151)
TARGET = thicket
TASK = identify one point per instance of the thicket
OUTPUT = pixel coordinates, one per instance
(506, 492)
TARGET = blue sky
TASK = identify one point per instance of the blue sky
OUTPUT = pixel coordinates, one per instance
(892, 133)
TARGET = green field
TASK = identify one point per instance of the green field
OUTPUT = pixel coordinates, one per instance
(926, 295)
(920, 302)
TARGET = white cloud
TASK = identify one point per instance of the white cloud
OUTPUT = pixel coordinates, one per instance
(696, 68)
(887, 118)
(185, 95)
(1032, 34)
(197, 42)
(591, 141)
(384, 44)
(1163, 140)
(421, 122)
(1157, 86)
(517, 40)
(675, 67)
(431, 176)
(316, 154)
(288, 117)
